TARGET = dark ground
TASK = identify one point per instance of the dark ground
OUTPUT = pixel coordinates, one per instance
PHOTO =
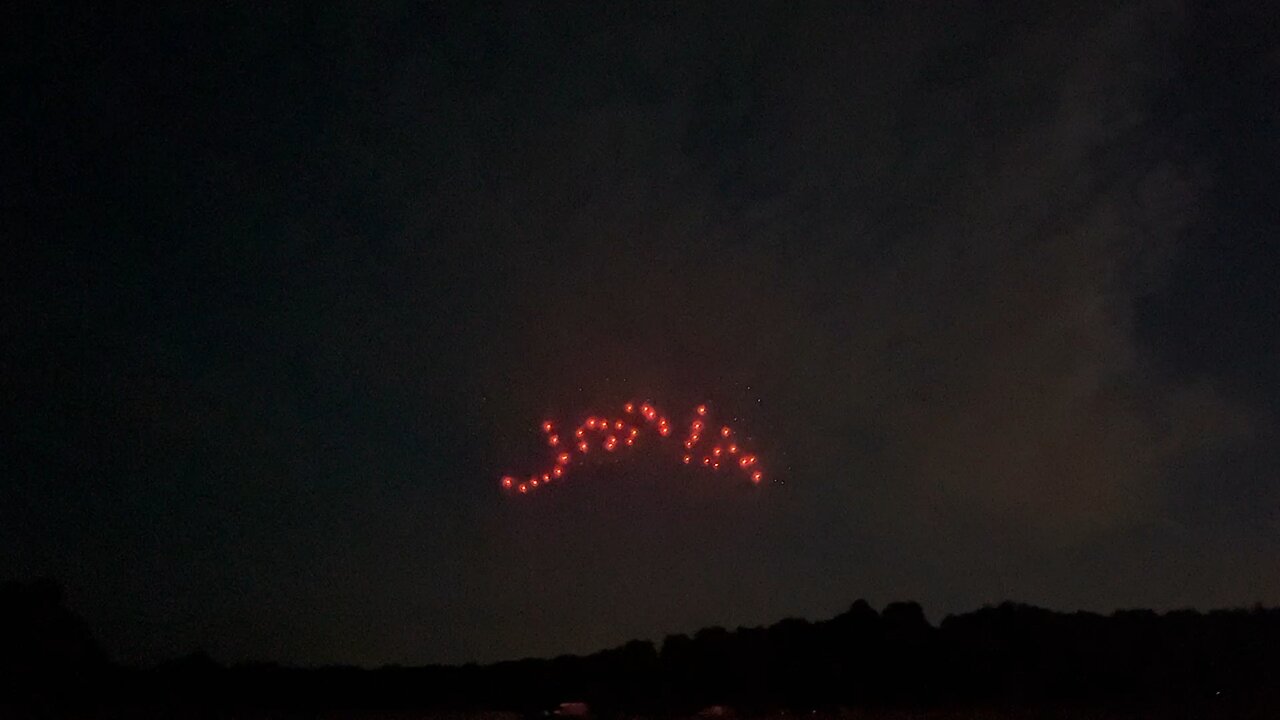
(1007, 661)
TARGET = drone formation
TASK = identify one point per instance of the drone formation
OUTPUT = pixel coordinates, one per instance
(719, 449)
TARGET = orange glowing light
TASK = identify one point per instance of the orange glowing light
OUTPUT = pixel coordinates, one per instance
(611, 431)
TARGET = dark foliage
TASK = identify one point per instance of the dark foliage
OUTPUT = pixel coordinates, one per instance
(1221, 664)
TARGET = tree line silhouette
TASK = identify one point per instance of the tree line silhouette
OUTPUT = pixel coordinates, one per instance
(1223, 663)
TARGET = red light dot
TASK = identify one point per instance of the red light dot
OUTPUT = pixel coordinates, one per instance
(688, 444)
(715, 466)
(733, 449)
(702, 409)
(524, 488)
(664, 431)
(757, 476)
(716, 451)
(724, 431)
(546, 426)
(744, 461)
(582, 448)
(687, 459)
(697, 424)
(578, 432)
(617, 425)
(629, 407)
(631, 441)
(553, 440)
(546, 477)
(563, 458)
(706, 461)
(591, 423)
(557, 471)
(507, 482)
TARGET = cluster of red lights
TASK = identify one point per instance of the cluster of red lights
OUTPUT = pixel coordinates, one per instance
(608, 434)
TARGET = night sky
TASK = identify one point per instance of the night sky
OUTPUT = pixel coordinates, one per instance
(285, 292)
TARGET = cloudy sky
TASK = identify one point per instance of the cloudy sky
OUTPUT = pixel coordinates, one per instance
(991, 285)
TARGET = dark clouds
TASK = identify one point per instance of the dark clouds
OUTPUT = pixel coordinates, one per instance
(297, 287)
